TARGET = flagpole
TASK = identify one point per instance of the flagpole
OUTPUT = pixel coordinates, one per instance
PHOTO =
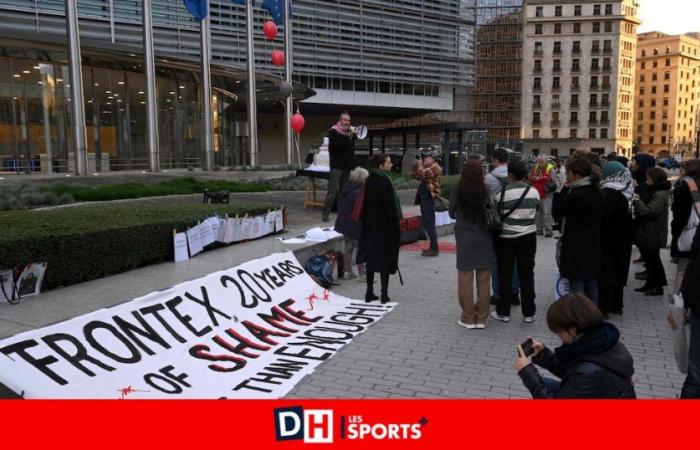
(289, 102)
(152, 147)
(252, 100)
(76, 89)
(206, 93)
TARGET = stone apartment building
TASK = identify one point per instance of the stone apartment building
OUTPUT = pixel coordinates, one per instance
(578, 76)
(667, 96)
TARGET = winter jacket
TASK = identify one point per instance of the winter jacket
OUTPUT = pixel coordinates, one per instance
(617, 236)
(652, 217)
(690, 289)
(582, 211)
(341, 150)
(430, 180)
(344, 223)
(539, 179)
(595, 366)
(381, 234)
(681, 206)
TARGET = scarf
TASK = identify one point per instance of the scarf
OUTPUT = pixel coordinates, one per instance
(384, 174)
(581, 182)
(622, 182)
(593, 341)
(343, 131)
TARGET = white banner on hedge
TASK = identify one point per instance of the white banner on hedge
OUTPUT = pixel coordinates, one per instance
(252, 331)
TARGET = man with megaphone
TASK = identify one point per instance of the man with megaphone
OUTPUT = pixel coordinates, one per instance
(341, 149)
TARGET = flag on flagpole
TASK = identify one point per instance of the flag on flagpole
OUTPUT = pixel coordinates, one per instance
(276, 10)
(198, 9)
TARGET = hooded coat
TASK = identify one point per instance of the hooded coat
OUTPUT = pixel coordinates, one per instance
(595, 366)
(652, 217)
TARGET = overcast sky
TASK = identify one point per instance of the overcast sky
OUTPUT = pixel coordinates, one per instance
(670, 16)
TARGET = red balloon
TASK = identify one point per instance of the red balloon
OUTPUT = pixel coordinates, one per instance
(270, 29)
(297, 122)
(277, 57)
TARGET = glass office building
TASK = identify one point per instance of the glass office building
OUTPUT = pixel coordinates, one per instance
(392, 57)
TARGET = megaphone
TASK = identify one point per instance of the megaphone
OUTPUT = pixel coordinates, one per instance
(360, 131)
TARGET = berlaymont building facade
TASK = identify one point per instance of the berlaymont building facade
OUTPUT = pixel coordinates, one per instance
(378, 60)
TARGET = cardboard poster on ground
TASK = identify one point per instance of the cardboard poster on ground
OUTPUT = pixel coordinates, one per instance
(206, 236)
(251, 331)
(180, 247)
(194, 240)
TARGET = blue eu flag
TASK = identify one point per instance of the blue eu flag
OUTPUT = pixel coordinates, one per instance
(276, 10)
(198, 9)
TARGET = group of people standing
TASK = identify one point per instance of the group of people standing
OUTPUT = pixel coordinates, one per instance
(601, 208)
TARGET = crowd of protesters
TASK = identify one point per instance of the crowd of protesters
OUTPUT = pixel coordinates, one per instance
(602, 208)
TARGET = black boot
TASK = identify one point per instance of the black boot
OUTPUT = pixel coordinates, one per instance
(369, 294)
(385, 288)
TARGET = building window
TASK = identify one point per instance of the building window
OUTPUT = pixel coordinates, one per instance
(557, 47)
(608, 9)
(651, 140)
(665, 101)
(668, 62)
(556, 65)
(557, 28)
(536, 101)
(608, 27)
(538, 83)
(641, 90)
(640, 116)
(592, 117)
(644, 53)
(538, 28)
(538, 48)
(557, 11)
(576, 47)
(653, 102)
(593, 100)
(667, 75)
(644, 65)
(539, 11)
(596, 10)
(654, 77)
(535, 134)
(653, 89)
(596, 27)
(652, 115)
(573, 132)
(535, 118)
(573, 119)
(574, 83)
(592, 133)
(538, 66)
(641, 103)
(577, 10)
(555, 83)
(603, 117)
(607, 46)
(575, 65)
(603, 133)
(577, 28)
(666, 88)
(555, 133)
(642, 78)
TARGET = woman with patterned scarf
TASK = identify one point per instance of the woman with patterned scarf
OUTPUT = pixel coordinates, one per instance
(617, 236)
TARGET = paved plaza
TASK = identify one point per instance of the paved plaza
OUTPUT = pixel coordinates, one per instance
(416, 351)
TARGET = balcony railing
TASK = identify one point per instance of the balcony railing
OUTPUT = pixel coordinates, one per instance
(595, 69)
(574, 105)
(595, 50)
(536, 122)
(606, 86)
(539, 51)
(556, 88)
(605, 104)
(537, 105)
(575, 69)
(537, 88)
(557, 51)
(537, 70)
(607, 69)
(593, 87)
(575, 87)
(608, 51)
(556, 69)
(576, 51)
(556, 105)
(554, 123)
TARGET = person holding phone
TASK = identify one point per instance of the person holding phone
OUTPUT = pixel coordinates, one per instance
(591, 362)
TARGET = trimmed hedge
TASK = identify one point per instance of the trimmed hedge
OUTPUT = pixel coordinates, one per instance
(188, 185)
(89, 242)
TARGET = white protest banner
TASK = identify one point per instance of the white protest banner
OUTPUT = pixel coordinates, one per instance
(236, 229)
(194, 240)
(252, 331)
(246, 226)
(205, 233)
(256, 228)
(180, 247)
(214, 225)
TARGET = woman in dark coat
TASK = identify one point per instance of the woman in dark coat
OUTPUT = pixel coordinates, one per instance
(580, 204)
(617, 236)
(651, 211)
(379, 242)
(468, 204)
(592, 362)
(681, 207)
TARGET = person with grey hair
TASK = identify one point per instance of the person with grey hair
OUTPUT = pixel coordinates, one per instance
(543, 178)
(347, 223)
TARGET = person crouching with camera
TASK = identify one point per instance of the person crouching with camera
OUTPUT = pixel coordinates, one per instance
(591, 363)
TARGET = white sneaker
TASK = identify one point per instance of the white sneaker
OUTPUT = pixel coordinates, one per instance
(480, 326)
(468, 326)
(529, 319)
(504, 319)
